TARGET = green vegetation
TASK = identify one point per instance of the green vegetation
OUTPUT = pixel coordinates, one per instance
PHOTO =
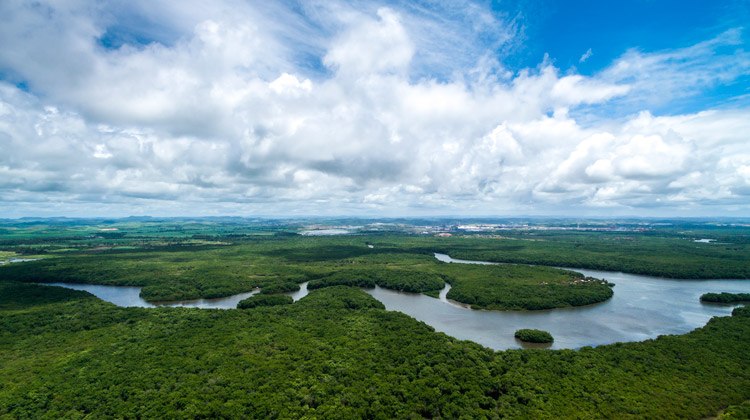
(348, 277)
(335, 354)
(513, 287)
(180, 261)
(736, 412)
(433, 293)
(638, 253)
(534, 336)
(171, 272)
(742, 312)
(264, 300)
(725, 297)
(409, 281)
(280, 288)
(398, 279)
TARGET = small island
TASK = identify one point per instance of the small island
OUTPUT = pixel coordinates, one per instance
(518, 287)
(534, 336)
(264, 300)
(401, 279)
(725, 297)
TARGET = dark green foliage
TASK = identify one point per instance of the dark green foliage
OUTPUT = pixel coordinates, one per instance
(18, 295)
(737, 412)
(725, 297)
(433, 293)
(340, 297)
(280, 288)
(337, 354)
(408, 281)
(513, 287)
(666, 249)
(325, 252)
(357, 278)
(534, 336)
(167, 275)
(397, 279)
(264, 300)
(635, 253)
(181, 261)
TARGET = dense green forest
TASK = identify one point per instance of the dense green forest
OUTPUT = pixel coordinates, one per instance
(264, 300)
(345, 277)
(398, 279)
(180, 260)
(725, 297)
(279, 263)
(666, 248)
(646, 254)
(736, 412)
(510, 286)
(336, 354)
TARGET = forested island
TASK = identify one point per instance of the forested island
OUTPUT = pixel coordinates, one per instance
(337, 353)
(534, 336)
(725, 297)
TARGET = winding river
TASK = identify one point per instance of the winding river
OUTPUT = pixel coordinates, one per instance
(642, 307)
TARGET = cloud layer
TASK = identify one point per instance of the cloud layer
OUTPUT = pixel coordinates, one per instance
(349, 108)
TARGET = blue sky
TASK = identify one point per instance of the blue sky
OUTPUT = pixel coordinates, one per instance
(375, 108)
(566, 30)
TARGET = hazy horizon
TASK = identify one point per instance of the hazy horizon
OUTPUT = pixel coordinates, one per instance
(436, 218)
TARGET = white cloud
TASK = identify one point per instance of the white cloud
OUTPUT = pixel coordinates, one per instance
(575, 89)
(656, 78)
(224, 117)
(290, 85)
(372, 46)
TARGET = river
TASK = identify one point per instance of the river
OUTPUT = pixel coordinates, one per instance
(128, 296)
(642, 307)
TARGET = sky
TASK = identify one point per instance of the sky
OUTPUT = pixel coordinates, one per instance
(375, 109)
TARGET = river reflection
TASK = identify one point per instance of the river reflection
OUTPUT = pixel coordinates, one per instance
(642, 307)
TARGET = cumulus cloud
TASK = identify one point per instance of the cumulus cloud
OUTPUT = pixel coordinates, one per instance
(219, 111)
(372, 46)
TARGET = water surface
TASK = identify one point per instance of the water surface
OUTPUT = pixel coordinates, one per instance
(128, 296)
(18, 260)
(325, 232)
(642, 307)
